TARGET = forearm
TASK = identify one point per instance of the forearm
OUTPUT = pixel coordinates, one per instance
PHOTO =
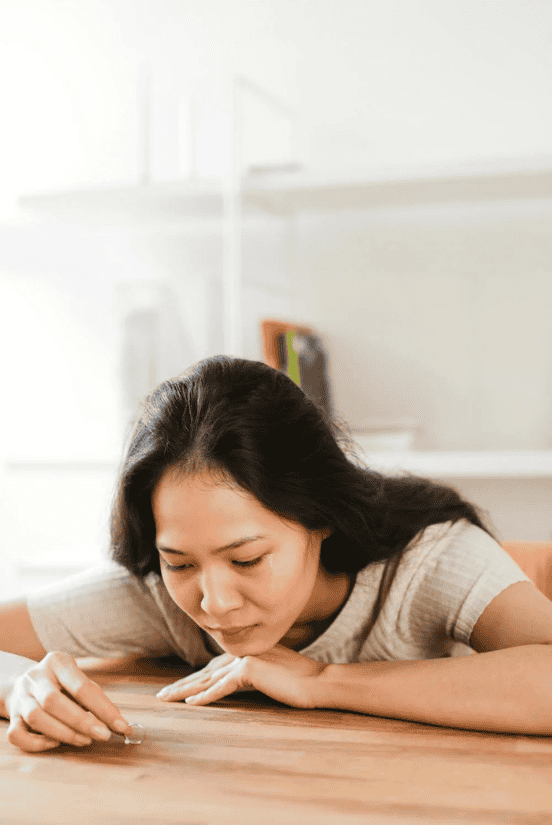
(507, 690)
(11, 667)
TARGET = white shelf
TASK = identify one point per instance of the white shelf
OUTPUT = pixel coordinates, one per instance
(492, 464)
(438, 464)
(291, 192)
(28, 463)
(188, 201)
(403, 187)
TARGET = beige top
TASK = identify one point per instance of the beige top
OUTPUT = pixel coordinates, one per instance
(441, 585)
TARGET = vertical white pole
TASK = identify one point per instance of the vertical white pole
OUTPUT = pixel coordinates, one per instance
(187, 136)
(232, 274)
(144, 123)
(193, 136)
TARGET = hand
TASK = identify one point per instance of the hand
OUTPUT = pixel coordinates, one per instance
(281, 673)
(54, 702)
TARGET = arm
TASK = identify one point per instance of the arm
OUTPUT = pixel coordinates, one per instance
(506, 691)
(19, 647)
(507, 687)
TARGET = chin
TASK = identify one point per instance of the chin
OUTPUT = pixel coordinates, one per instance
(251, 648)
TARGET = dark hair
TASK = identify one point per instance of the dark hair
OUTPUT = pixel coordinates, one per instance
(251, 427)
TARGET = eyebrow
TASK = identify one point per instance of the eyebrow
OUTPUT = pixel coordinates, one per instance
(232, 546)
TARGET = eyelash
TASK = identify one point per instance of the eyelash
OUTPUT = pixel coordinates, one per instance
(241, 564)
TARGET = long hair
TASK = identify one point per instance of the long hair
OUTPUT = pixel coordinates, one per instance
(251, 427)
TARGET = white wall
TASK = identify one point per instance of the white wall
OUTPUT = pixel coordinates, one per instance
(446, 321)
(63, 416)
(441, 319)
(385, 83)
(374, 83)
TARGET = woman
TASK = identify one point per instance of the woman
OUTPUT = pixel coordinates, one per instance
(247, 541)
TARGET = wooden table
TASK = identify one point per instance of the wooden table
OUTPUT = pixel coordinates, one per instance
(249, 761)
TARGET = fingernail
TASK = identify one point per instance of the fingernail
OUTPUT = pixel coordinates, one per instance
(120, 725)
(162, 693)
(84, 740)
(100, 733)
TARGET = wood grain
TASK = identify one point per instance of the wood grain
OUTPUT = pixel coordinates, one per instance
(250, 761)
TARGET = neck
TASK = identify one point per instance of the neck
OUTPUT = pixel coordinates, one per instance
(330, 594)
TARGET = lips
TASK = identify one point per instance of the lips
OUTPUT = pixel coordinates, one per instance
(231, 631)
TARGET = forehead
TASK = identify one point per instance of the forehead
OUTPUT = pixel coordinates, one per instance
(203, 502)
(174, 488)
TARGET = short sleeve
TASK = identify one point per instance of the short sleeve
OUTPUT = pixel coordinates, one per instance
(445, 580)
(101, 612)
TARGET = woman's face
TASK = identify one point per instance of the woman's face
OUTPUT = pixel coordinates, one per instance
(246, 576)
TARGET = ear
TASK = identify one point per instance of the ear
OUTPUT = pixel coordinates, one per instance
(327, 532)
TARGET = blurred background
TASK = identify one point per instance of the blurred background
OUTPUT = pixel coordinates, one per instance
(174, 172)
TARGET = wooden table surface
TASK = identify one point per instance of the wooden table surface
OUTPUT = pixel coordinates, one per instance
(250, 761)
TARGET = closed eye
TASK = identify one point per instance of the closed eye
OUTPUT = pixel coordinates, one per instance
(250, 563)
(242, 564)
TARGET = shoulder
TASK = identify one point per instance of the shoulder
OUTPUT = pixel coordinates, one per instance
(105, 589)
(450, 541)
(458, 556)
(435, 545)
(449, 565)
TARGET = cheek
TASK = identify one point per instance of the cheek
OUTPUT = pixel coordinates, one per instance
(181, 592)
(287, 578)
(186, 592)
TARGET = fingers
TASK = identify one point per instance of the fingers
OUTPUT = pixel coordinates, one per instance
(105, 715)
(54, 702)
(204, 687)
(195, 683)
(214, 664)
(67, 716)
(180, 690)
(37, 719)
(20, 736)
(182, 684)
(221, 688)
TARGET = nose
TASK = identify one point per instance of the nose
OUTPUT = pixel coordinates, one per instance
(219, 594)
